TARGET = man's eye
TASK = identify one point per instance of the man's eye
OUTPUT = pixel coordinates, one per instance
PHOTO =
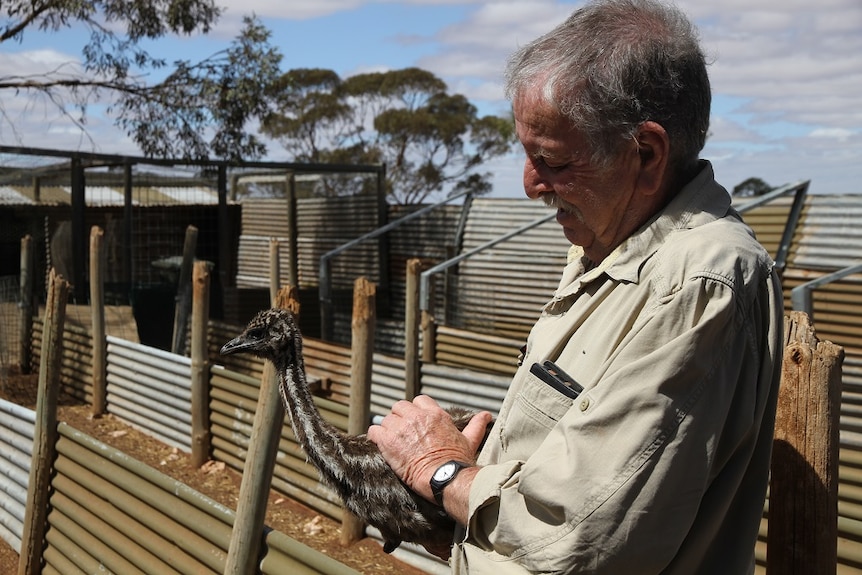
(554, 167)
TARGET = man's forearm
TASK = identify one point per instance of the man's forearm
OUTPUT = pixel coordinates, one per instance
(456, 497)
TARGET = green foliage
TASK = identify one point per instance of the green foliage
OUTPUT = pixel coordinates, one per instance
(199, 110)
(427, 138)
(751, 187)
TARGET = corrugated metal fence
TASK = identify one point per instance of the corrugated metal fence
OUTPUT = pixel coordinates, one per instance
(326, 224)
(501, 292)
(827, 239)
(16, 453)
(111, 513)
(322, 225)
(76, 373)
(151, 390)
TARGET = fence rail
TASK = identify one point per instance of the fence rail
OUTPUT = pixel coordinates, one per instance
(110, 512)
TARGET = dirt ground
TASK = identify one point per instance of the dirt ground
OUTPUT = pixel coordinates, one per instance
(214, 480)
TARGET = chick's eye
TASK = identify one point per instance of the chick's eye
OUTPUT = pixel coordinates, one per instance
(255, 333)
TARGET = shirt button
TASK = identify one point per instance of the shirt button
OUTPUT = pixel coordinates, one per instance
(585, 404)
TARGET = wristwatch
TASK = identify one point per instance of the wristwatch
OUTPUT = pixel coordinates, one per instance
(443, 476)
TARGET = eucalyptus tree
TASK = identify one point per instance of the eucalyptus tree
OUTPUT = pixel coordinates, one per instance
(751, 187)
(173, 108)
(428, 138)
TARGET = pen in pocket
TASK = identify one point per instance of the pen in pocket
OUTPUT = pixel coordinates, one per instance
(550, 373)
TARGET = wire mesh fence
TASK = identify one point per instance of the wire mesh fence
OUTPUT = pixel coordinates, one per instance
(9, 326)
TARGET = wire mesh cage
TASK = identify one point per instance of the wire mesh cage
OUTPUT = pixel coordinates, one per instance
(9, 326)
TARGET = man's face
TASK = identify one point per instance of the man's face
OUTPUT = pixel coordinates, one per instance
(595, 205)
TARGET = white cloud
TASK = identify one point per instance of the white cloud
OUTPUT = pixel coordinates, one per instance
(723, 130)
(292, 10)
(833, 133)
(794, 66)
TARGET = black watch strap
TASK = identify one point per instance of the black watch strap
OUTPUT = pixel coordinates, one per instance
(443, 476)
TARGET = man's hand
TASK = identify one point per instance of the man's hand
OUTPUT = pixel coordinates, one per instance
(419, 436)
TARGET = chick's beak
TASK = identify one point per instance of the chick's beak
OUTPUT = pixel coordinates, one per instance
(236, 345)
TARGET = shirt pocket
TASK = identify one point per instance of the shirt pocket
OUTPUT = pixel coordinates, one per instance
(535, 411)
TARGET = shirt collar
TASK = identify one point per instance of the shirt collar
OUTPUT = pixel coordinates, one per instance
(701, 200)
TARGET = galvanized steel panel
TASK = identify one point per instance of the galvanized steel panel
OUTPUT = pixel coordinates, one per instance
(464, 388)
(111, 512)
(234, 402)
(16, 452)
(829, 236)
(150, 516)
(486, 297)
(150, 389)
(323, 224)
(76, 375)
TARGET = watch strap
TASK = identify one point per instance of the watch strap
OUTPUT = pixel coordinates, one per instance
(437, 487)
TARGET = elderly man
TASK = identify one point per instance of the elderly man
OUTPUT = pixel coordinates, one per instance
(644, 446)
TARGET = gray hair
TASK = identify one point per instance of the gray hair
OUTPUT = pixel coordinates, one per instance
(615, 64)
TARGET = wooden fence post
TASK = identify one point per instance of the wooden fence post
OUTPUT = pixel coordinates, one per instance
(247, 533)
(184, 291)
(411, 329)
(97, 313)
(25, 333)
(200, 365)
(803, 496)
(361, 361)
(45, 431)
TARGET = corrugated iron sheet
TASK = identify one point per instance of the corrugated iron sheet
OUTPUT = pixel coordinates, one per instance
(109, 512)
(233, 405)
(502, 290)
(76, 373)
(150, 389)
(326, 224)
(829, 236)
(16, 453)
(323, 224)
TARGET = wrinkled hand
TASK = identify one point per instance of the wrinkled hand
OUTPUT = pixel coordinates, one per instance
(419, 436)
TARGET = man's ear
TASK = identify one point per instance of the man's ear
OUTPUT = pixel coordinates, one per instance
(653, 151)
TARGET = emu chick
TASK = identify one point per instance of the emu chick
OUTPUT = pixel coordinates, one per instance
(351, 465)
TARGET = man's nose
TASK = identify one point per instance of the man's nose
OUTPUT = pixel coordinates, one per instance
(534, 184)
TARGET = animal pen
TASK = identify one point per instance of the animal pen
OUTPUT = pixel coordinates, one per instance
(445, 324)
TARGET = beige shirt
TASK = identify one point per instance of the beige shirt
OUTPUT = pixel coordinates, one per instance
(661, 464)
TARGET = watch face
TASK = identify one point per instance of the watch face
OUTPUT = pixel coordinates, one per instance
(445, 471)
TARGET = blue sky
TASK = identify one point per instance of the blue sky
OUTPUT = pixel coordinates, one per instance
(786, 74)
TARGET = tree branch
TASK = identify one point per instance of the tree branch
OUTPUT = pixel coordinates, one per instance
(37, 11)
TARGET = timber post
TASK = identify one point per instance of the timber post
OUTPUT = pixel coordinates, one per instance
(45, 429)
(803, 493)
(97, 314)
(274, 270)
(363, 326)
(247, 533)
(201, 434)
(411, 330)
(184, 291)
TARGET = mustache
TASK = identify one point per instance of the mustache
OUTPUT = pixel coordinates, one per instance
(552, 200)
